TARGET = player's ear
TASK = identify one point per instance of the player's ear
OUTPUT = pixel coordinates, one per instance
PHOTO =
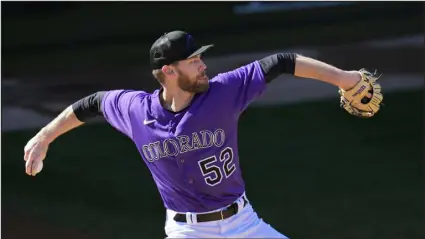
(167, 70)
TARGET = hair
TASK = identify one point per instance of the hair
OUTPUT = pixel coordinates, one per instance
(159, 75)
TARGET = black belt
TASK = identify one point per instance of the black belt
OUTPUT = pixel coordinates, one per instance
(213, 216)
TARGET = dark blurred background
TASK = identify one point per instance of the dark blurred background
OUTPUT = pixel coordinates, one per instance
(312, 171)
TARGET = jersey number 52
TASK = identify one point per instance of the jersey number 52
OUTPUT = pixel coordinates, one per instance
(214, 174)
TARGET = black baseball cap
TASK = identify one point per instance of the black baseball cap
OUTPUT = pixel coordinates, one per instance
(174, 46)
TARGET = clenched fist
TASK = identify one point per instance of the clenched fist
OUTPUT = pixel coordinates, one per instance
(35, 152)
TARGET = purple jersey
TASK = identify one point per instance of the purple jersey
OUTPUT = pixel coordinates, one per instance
(193, 154)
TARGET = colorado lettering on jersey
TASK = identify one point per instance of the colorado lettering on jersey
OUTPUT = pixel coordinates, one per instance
(183, 143)
(212, 180)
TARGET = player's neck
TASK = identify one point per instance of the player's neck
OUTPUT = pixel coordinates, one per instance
(175, 100)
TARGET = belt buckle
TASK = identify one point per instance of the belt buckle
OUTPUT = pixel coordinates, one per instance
(221, 213)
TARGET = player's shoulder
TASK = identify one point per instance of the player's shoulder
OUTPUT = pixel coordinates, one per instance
(126, 96)
(127, 93)
(236, 73)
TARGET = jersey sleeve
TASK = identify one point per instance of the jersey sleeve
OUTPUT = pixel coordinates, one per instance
(242, 85)
(116, 106)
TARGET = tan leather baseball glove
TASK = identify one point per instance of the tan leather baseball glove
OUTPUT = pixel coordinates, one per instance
(365, 98)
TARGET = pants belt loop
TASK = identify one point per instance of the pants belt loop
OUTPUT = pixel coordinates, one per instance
(194, 218)
(189, 218)
(240, 205)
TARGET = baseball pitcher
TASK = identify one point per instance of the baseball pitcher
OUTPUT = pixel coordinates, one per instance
(186, 131)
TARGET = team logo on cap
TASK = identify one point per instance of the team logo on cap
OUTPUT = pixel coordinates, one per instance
(189, 41)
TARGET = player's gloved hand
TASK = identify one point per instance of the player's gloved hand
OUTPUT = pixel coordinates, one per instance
(365, 98)
(35, 152)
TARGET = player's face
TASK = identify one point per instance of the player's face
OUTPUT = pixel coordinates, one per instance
(192, 75)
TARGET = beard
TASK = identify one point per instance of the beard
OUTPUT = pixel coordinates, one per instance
(197, 85)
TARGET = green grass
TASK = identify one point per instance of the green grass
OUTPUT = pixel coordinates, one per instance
(312, 171)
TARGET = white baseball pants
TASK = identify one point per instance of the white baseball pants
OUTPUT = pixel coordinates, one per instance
(244, 224)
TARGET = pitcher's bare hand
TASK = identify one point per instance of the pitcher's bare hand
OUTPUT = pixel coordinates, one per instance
(35, 152)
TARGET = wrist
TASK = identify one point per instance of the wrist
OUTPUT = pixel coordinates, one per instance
(348, 79)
